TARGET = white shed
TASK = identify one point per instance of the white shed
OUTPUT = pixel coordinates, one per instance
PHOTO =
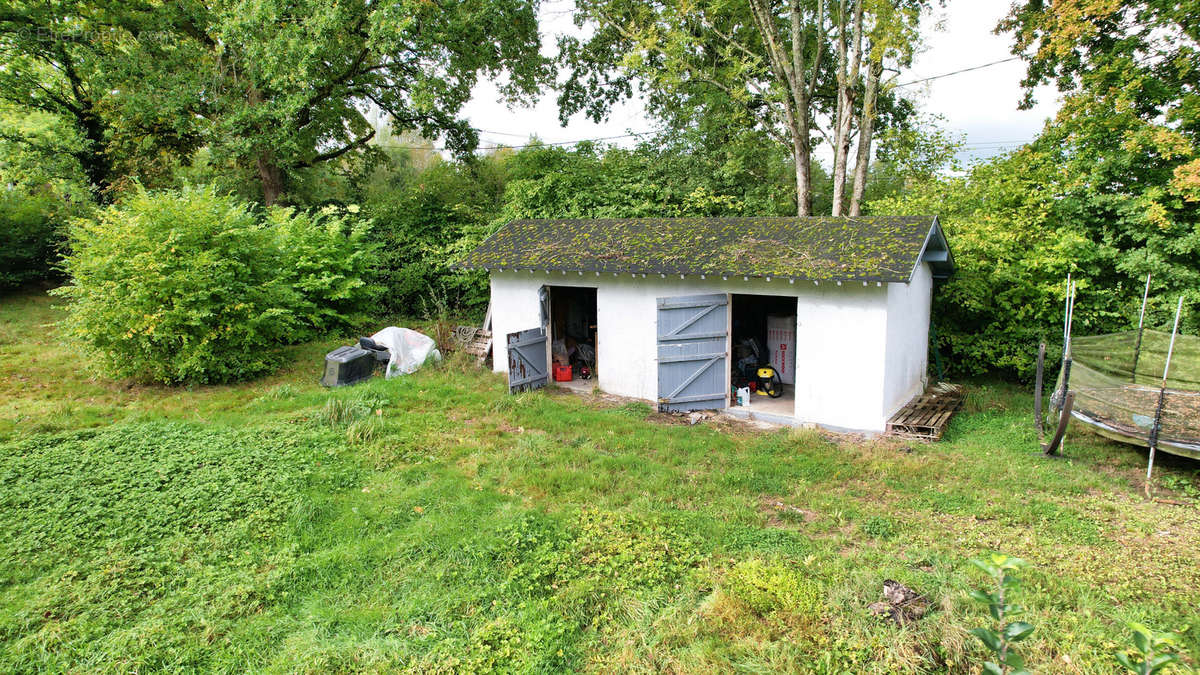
(679, 311)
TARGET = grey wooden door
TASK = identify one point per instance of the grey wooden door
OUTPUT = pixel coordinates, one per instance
(527, 359)
(693, 338)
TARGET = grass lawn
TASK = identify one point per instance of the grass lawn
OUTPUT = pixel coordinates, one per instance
(435, 523)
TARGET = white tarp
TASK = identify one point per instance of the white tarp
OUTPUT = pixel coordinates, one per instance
(409, 349)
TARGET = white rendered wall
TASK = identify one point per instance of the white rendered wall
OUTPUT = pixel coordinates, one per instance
(842, 336)
(907, 339)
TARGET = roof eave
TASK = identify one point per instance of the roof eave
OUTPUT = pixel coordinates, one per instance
(690, 273)
(940, 258)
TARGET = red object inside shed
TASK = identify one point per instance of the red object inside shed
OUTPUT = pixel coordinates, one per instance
(562, 373)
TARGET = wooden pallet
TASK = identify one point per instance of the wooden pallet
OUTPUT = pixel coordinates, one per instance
(926, 416)
(475, 341)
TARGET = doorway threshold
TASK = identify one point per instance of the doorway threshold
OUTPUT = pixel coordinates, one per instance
(749, 413)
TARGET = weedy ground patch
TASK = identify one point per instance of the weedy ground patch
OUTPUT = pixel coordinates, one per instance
(434, 523)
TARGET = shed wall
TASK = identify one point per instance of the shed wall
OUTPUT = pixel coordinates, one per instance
(842, 336)
(907, 361)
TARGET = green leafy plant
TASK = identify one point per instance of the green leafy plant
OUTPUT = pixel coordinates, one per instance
(29, 236)
(193, 286)
(179, 287)
(331, 262)
(1002, 634)
(768, 586)
(1181, 485)
(878, 527)
(1154, 650)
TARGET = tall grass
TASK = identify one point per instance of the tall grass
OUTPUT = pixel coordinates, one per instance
(435, 523)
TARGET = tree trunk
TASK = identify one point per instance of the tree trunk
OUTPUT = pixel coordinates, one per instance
(801, 150)
(93, 157)
(848, 72)
(841, 150)
(269, 173)
(866, 130)
(791, 71)
(801, 155)
(271, 177)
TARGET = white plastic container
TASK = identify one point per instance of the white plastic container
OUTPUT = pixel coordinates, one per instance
(743, 396)
(781, 345)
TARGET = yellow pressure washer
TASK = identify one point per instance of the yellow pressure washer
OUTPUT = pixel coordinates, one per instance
(769, 383)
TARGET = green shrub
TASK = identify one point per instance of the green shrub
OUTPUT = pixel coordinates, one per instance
(29, 237)
(330, 262)
(767, 587)
(192, 286)
(1019, 223)
(421, 227)
(878, 527)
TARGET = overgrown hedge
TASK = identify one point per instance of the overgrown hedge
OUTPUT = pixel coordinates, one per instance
(1017, 226)
(196, 286)
(30, 236)
(421, 227)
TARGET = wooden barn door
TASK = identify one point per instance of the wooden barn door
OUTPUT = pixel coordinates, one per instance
(529, 351)
(527, 360)
(693, 352)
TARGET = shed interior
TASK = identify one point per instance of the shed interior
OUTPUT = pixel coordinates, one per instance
(573, 333)
(756, 338)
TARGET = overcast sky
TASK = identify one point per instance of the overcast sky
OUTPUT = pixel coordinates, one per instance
(981, 104)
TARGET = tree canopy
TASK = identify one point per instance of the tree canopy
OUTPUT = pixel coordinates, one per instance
(277, 86)
(778, 71)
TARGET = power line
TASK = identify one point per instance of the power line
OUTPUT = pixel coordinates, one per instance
(499, 133)
(974, 143)
(956, 72)
(582, 140)
(645, 133)
(518, 147)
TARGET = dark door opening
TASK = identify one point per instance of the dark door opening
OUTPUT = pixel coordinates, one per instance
(573, 336)
(764, 334)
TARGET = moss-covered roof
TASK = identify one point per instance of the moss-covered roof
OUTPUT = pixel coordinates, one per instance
(875, 248)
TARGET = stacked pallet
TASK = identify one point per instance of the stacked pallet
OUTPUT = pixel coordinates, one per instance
(474, 341)
(926, 416)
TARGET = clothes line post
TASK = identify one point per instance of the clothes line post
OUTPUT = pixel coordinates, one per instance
(1162, 396)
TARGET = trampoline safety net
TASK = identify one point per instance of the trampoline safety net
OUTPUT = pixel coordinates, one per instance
(1116, 385)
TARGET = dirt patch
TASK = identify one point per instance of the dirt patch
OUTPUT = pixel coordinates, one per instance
(780, 513)
(592, 396)
(713, 419)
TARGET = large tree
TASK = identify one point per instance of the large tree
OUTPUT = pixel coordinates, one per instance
(292, 80)
(783, 69)
(270, 85)
(1128, 133)
(71, 60)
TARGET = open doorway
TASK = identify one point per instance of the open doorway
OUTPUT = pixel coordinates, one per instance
(763, 341)
(573, 337)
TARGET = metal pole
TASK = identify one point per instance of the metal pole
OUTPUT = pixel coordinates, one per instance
(1071, 315)
(1066, 313)
(1162, 396)
(1037, 392)
(1137, 349)
(1066, 361)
